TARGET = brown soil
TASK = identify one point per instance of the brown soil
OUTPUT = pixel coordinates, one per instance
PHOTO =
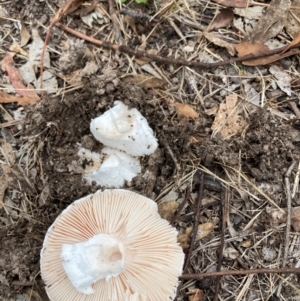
(57, 125)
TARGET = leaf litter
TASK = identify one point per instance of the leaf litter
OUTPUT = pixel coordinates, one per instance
(235, 122)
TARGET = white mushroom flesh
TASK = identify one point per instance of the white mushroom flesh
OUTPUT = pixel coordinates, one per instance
(124, 129)
(100, 257)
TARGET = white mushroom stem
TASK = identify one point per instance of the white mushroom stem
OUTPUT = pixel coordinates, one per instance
(100, 257)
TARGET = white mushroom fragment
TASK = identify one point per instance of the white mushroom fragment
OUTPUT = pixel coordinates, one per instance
(111, 168)
(113, 246)
(100, 257)
(124, 129)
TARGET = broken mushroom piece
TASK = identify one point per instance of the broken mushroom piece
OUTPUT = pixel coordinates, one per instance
(111, 168)
(113, 246)
(124, 129)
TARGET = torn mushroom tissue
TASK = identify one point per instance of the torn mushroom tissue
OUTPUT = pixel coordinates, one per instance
(126, 133)
(100, 257)
(124, 129)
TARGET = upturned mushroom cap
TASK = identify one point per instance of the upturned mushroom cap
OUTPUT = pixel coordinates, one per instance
(150, 258)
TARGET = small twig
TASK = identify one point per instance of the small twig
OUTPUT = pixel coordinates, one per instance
(225, 204)
(10, 123)
(196, 223)
(170, 60)
(177, 29)
(288, 222)
(135, 14)
(175, 217)
(296, 182)
(240, 272)
(172, 155)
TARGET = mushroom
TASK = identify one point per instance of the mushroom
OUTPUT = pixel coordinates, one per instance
(111, 245)
(111, 168)
(124, 129)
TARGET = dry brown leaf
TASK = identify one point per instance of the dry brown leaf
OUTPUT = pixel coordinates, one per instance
(254, 12)
(223, 19)
(202, 231)
(216, 38)
(15, 180)
(212, 111)
(167, 209)
(270, 58)
(85, 10)
(25, 35)
(246, 243)
(227, 121)
(184, 110)
(73, 78)
(295, 218)
(282, 78)
(131, 22)
(292, 24)
(196, 294)
(231, 253)
(23, 89)
(271, 23)
(278, 216)
(44, 195)
(69, 6)
(145, 80)
(7, 151)
(195, 139)
(22, 101)
(18, 49)
(245, 48)
(234, 3)
(184, 238)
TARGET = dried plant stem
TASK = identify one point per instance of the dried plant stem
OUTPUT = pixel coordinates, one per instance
(224, 207)
(288, 221)
(196, 223)
(171, 60)
(172, 155)
(187, 195)
(240, 272)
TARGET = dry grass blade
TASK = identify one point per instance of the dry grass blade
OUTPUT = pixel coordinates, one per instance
(241, 174)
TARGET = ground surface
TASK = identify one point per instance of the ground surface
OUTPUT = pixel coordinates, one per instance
(251, 163)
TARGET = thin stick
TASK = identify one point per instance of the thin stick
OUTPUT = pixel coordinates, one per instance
(288, 222)
(194, 233)
(225, 204)
(240, 272)
(187, 195)
(296, 182)
(196, 222)
(294, 107)
(172, 155)
(170, 60)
